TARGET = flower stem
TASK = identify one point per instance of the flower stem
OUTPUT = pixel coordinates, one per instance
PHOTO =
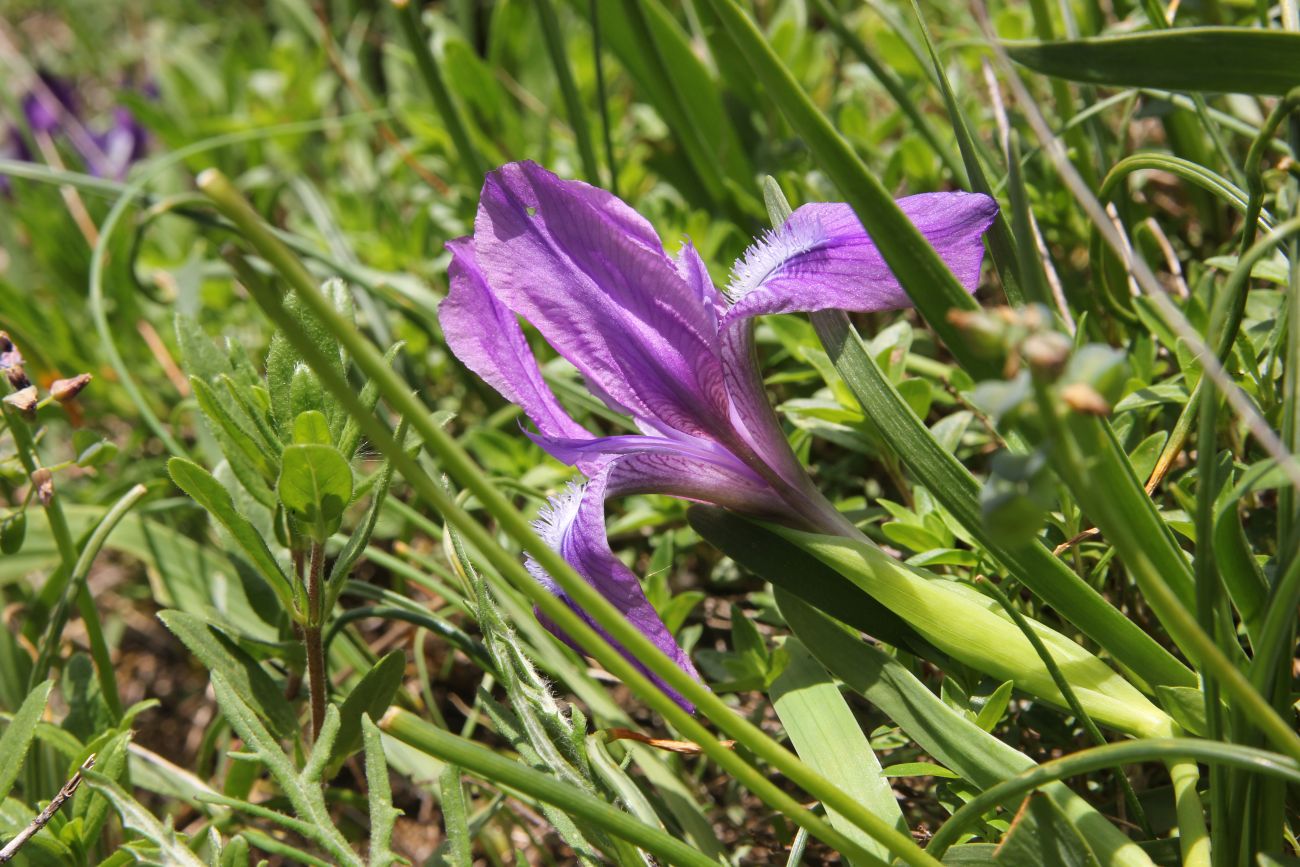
(317, 684)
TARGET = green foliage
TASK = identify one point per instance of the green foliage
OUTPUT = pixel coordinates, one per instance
(319, 520)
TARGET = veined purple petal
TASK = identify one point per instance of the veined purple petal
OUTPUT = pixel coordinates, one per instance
(693, 271)
(590, 274)
(686, 467)
(573, 524)
(820, 259)
(487, 338)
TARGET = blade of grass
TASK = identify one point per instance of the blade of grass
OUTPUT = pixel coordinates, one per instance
(504, 771)
(894, 86)
(555, 47)
(1096, 758)
(467, 153)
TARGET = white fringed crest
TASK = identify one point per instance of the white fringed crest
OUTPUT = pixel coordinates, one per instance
(553, 521)
(769, 252)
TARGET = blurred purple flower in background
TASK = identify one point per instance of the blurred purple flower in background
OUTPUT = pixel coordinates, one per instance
(655, 340)
(53, 114)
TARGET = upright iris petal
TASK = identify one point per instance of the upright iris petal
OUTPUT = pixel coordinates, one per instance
(655, 340)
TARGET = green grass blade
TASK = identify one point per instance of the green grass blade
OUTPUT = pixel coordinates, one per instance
(1206, 59)
(555, 47)
(1002, 244)
(502, 770)
(952, 739)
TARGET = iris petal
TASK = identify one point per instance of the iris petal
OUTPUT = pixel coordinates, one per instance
(592, 278)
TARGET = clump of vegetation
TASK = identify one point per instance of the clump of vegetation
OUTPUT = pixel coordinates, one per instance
(694, 433)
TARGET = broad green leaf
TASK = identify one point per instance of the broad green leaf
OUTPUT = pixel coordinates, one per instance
(1042, 834)
(209, 493)
(315, 486)
(18, 734)
(370, 697)
(827, 737)
(949, 737)
(1210, 59)
(218, 653)
(311, 428)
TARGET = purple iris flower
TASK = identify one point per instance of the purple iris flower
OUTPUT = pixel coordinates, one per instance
(656, 340)
(52, 108)
(49, 103)
(120, 145)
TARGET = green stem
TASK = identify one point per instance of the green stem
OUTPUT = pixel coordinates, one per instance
(1193, 839)
(317, 683)
(1098, 758)
(408, 17)
(1067, 691)
(568, 89)
(502, 771)
(461, 467)
(76, 589)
